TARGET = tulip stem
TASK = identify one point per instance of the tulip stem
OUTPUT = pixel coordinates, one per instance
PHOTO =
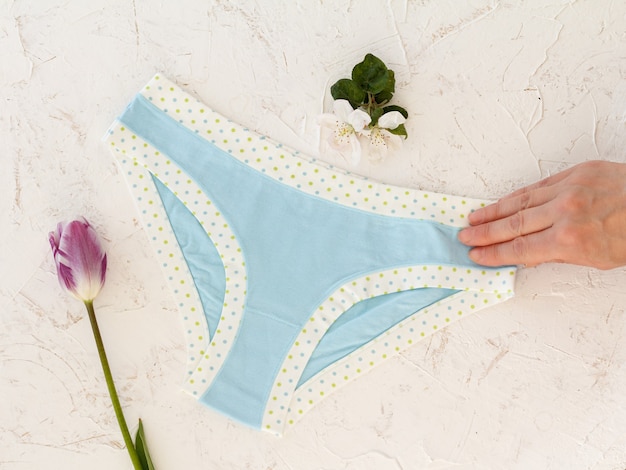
(132, 452)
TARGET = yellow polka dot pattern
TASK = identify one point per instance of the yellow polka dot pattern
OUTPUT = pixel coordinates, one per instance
(139, 159)
(170, 257)
(305, 174)
(479, 288)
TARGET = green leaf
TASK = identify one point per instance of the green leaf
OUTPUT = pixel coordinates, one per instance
(387, 93)
(400, 109)
(372, 75)
(142, 449)
(383, 97)
(400, 130)
(346, 89)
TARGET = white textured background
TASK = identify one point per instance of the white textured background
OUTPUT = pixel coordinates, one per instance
(500, 93)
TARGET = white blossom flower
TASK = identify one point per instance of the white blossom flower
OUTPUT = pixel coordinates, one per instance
(380, 139)
(346, 125)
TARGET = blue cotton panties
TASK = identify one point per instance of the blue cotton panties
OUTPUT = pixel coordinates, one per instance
(292, 277)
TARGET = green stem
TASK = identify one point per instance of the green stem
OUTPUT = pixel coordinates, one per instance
(132, 452)
(370, 102)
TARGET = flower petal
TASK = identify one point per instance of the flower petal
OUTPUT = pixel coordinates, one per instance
(80, 259)
(66, 277)
(359, 119)
(394, 141)
(327, 120)
(55, 237)
(342, 109)
(391, 120)
(355, 145)
(378, 145)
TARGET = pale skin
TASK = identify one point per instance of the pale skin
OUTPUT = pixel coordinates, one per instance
(577, 216)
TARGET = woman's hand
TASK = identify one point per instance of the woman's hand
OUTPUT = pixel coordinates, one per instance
(577, 217)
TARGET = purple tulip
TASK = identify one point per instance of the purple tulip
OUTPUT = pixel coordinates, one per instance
(81, 266)
(80, 259)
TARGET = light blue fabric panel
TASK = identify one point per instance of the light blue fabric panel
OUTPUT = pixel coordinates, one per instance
(366, 320)
(243, 384)
(298, 249)
(202, 258)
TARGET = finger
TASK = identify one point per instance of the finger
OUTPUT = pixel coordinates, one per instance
(508, 228)
(528, 250)
(508, 206)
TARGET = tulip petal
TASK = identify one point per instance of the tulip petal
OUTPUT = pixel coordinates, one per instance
(80, 259)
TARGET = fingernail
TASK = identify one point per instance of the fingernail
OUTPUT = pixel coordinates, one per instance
(475, 217)
(475, 255)
(464, 236)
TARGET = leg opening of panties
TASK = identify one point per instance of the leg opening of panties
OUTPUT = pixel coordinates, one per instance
(292, 277)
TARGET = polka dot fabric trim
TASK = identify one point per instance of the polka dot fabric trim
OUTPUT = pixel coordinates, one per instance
(486, 287)
(169, 256)
(205, 356)
(307, 175)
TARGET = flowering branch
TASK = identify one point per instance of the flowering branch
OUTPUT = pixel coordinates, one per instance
(369, 92)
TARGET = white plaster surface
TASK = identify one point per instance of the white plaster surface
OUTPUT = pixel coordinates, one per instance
(501, 93)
